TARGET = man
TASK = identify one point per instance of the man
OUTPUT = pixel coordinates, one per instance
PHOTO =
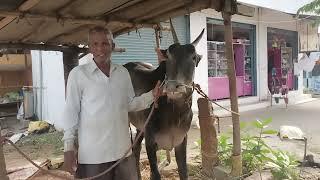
(98, 98)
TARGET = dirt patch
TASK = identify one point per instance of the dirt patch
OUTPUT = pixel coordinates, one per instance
(307, 173)
(36, 146)
(170, 173)
(49, 145)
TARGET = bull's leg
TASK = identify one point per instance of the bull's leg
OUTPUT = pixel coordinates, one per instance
(151, 148)
(181, 158)
(136, 150)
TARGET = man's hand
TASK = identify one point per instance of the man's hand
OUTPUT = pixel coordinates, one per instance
(157, 92)
(69, 164)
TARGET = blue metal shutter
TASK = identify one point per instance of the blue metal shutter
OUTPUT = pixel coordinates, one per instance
(140, 45)
(181, 26)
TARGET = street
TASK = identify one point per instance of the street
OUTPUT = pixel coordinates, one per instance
(306, 116)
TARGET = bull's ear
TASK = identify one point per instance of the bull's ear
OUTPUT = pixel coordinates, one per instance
(164, 53)
(198, 58)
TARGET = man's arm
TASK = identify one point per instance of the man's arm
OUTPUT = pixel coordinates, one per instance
(145, 100)
(71, 118)
(140, 102)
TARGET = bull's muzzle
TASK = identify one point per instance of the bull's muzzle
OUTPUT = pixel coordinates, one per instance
(174, 87)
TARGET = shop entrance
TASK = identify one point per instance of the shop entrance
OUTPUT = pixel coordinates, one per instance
(282, 53)
(244, 56)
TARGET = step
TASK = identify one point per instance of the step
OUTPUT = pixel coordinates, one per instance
(245, 104)
(294, 98)
(243, 107)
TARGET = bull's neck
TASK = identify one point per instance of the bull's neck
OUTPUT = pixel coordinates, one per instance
(182, 103)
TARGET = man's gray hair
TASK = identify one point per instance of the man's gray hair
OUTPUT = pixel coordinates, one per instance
(100, 29)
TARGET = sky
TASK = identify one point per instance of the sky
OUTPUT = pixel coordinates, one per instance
(288, 6)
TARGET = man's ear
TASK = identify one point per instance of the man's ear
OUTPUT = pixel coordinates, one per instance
(113, 45)
(164, 53)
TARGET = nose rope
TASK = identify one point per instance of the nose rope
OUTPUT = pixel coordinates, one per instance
(203, 94)
(166, 81)
(197, 87)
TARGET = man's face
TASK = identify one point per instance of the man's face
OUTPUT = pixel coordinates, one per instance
(100, 45)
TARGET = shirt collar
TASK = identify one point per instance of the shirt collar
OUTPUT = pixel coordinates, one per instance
(93, 66)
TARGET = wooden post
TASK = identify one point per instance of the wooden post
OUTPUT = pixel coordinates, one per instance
(3, 169)
(228, 36)
(70, 60)
(209, 141)
(157, 34)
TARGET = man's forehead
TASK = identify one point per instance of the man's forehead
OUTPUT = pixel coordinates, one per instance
(99, 36)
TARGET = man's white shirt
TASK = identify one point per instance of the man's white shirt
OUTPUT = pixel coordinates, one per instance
(97, 106)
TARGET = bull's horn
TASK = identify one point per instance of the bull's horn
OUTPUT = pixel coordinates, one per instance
(174, 34)
(195, 42)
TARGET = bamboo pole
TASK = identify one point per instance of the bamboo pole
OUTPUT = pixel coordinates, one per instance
(236, 152)
(157, 34)
(209, 141)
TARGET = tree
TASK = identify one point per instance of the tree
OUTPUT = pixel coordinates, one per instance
(312, 7)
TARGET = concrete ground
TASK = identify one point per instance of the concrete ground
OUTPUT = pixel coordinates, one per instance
(306, 116)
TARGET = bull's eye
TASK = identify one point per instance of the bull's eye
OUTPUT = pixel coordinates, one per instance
(194, 58)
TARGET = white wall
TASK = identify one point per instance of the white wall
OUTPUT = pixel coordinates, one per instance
(48, 85)
(198, 21)
(263, 19)
(277, 19)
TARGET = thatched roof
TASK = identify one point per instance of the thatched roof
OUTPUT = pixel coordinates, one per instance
(56, 22)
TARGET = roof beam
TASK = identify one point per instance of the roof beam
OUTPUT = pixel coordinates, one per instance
(89, 21)
(64, 34)
(70, 5)
(36, 31)
(141, 5)
(5, 21)
(191, 7)
(159, 10)
(126, 27)
(122, 6)
(44, 47)
(28, 5)
(23, 7)
(20, 14)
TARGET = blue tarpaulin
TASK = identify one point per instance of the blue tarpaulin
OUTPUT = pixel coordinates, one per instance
(315, 85)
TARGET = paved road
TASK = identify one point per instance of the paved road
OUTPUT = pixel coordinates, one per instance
(305, 116)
